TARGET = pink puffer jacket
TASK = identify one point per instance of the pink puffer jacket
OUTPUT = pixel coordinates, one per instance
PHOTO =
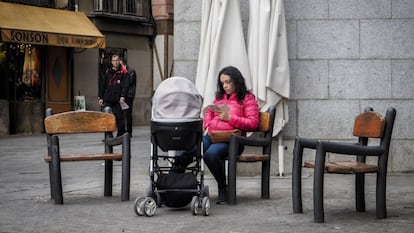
(244, 116)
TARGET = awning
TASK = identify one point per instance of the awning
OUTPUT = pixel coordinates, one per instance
(46, 26)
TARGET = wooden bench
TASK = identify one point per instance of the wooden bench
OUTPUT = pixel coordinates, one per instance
(77, 122)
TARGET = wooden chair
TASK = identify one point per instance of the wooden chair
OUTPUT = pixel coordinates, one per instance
(367, 125)
(75, 122)
(265, 141)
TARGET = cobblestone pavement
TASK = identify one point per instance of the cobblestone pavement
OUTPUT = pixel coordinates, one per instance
(26, 206)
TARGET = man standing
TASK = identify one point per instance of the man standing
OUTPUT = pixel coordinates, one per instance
(131, 85)
(112, 91)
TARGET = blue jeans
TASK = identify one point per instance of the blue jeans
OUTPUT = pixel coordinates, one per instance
(215, 155)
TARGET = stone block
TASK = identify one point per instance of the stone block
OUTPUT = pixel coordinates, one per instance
(290, 128)
(324, 39)
(291, 38)
(186, 69)
(327, 119)
(404, 119)
(244, 9)
(309, 79)
(401, 156)
(187, 40)
(402, 9)
(387, 38)
(402, 79)
(185, 10)
(309, 9)
(359, 79)
(359, 9)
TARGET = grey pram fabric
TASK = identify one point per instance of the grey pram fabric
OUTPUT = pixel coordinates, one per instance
(176, 99)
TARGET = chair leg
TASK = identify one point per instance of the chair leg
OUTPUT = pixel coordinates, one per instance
(266, 179)
(126, 168)
(57, 180)
(125, 180)
(296, 177)
(232, 170)
(318, 184)
(360, 192)
(51, 181)
(380, 193)
(108, 178)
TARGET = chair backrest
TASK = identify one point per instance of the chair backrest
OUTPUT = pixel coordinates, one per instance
(369, 124)
(80, 122)
(266, 121)
(389, 125)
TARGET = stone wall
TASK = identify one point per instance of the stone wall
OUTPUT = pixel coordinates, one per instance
(344, 55)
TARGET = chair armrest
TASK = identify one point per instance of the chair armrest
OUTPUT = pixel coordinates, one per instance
(249, 141)
(307, 142)
(351, 148)
(115, 141)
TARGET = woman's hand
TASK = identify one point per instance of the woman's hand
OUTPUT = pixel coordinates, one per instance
(224, 116)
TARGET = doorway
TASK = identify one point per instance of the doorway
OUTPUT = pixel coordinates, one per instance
(58, 80)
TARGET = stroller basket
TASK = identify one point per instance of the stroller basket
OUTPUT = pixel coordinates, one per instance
(177, 190)
(177, 136)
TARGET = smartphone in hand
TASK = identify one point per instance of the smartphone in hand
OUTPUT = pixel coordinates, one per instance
(216, 108)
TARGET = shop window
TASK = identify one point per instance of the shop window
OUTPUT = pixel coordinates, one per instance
(4, 80)
(21, 67)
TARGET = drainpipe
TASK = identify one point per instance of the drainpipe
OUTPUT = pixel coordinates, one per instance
(281, 155)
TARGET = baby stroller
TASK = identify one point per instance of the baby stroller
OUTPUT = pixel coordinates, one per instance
(175, 125)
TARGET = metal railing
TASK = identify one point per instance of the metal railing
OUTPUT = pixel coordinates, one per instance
(140, 8)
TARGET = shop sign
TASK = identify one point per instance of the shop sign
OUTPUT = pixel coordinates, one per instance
(54, 39)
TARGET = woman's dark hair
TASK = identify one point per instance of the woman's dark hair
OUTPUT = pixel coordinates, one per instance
(238, 82)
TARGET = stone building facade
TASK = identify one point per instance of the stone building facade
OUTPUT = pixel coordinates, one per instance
(344, 55)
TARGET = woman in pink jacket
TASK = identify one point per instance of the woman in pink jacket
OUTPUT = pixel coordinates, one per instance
(237, 109)
(241, 112)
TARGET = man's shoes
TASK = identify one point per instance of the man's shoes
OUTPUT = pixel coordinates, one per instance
(222, 196)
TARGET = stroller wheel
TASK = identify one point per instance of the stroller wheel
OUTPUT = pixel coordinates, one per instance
(205, 206)
(150, 207)
(155, 195)
(138, 206)
(194, 205)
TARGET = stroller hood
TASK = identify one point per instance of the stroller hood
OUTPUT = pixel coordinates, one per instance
(176, 98)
